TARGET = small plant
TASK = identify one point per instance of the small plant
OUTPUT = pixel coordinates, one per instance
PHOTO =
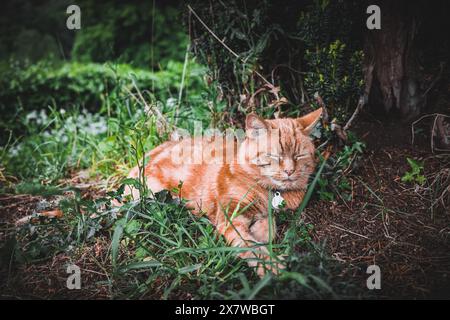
(415, 175)
(332, 59)
(335, 181)
(337, 74)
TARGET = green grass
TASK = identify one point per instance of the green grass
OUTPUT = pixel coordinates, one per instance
(55, 140)
(157, 248)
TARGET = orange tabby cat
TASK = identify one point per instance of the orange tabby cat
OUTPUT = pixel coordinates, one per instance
(229, 180)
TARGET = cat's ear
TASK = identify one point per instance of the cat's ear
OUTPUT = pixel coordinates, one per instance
(255, 125)
(308, 122)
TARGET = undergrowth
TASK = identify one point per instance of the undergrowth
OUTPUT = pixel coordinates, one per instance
(102, 122)
(159, 249)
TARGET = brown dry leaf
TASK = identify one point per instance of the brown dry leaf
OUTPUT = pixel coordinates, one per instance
(98, 249)
(57, 213)
(279, 102)
(272, 89)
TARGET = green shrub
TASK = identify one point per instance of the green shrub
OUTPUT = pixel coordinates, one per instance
(93, 87)
(35, 30)
(85, 85)
(415, 175)
(134, 32)
(82, 115)
(142, 33)
(259, 32)
(336, 74)
(333, 57)
(93, 44)
(314, 46)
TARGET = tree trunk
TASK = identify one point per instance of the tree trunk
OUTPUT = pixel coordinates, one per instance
(393, 80)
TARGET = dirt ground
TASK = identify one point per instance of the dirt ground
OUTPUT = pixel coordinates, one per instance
(392, 226)
(387, 222)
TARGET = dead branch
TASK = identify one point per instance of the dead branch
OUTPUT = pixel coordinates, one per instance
(438, 129)
(365, 97)
(162, 123)
(355, 113)
(224, 44)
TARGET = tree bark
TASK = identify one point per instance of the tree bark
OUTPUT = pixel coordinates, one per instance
(392, 73)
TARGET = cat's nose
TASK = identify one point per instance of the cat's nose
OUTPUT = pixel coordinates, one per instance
(289, 171)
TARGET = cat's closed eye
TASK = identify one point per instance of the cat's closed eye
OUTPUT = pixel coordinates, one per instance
(274, 157)
(301, 156)
(261, 162)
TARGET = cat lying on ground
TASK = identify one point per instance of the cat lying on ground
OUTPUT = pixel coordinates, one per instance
(230, 181)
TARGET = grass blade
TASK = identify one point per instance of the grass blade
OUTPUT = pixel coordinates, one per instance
(259, 286)
(115, 243)
(140, 265)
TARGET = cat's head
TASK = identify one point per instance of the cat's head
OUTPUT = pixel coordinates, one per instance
(279, 152)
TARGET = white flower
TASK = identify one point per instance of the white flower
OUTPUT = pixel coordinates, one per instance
(64, 138)
(14, 151)
(171, 102)
(41, 118)
(32, 115)
(43, 115)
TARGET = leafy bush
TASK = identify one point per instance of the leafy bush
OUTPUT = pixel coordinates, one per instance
(145, 34)
(93, 44)
(86, 85)
(94, 87)
(34, 30)
(303, 49)
(322, 22)
(261, 43)
(139, 33)
(337, 78)
(333, 57)
(54, 143)
(85, 115)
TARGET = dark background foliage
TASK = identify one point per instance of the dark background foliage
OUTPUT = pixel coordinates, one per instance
(143, 33)
(289, 42)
